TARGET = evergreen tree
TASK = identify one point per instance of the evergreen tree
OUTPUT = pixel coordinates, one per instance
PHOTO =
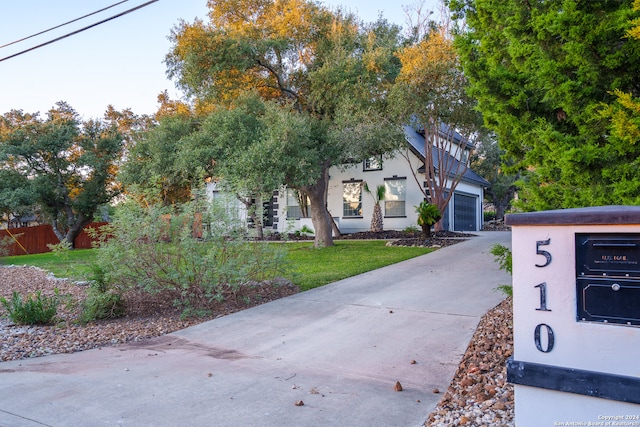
(543, 71)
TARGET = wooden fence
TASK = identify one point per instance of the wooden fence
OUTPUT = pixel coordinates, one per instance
(34, 240)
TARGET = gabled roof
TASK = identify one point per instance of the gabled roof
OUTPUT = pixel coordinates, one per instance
(416, 141)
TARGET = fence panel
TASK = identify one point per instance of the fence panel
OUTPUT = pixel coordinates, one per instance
(83, 240)
(29, 240)
(34, 240)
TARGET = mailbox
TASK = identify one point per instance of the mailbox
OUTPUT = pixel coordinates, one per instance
(576, 317)
(608, 278)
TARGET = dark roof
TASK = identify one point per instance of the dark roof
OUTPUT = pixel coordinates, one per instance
(416, 140)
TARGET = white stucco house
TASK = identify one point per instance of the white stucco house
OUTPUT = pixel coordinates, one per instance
(351, 207)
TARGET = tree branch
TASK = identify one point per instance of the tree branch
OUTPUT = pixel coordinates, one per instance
(281, 87)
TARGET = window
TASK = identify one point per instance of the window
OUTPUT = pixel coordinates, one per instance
(227, 202)
(464, 158)
(373, 163)
(352, 199)
(395, 196)
(294, 211)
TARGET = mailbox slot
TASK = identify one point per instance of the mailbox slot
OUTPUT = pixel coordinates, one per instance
(607, 300)
(608, 278)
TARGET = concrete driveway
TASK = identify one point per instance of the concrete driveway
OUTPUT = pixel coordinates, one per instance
(335, 351)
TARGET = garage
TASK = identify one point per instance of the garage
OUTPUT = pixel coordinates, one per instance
(465, 212)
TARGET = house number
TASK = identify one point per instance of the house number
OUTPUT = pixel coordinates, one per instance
(542, 287)
(543, 296)
(544, 253)
(537, 338)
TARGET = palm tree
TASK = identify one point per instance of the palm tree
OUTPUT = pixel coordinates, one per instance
(428, 215)
(376, 218)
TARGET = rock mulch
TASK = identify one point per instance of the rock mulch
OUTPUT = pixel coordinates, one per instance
(395, 238)
(147, 316)
(479, 395)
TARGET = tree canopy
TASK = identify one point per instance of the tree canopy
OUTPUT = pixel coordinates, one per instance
(488, 163)
(327, 74)
(543, 73)
(155, 169)
(431, 94)
(65, 166)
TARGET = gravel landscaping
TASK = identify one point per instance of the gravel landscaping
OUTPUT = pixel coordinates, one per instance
(146, 316)
(477, 396)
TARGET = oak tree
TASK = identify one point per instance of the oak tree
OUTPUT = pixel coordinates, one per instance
(326, 71)
(153, 170)
(69, 166)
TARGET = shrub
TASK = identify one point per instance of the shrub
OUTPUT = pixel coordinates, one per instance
(428, 215)
(489, 216)
(35, 309)
(60, 249)
(503, 257)
(306, 230)
(5, 245)
(101, 305)
(152, 248)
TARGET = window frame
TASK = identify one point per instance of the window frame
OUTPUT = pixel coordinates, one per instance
(375, 159)
(290, 195)
(359, 183)
(403, 201)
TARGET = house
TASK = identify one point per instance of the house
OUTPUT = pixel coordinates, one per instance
(351, 207)
(23, 221)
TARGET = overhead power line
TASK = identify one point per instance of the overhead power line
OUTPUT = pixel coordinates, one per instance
(78, 31)
(62, 25)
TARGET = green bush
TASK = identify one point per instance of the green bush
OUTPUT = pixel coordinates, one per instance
(305, 230)
(36, 309)
(503, 257)
(428, 215)
(101, 305)
(489, 216)
(153, 248)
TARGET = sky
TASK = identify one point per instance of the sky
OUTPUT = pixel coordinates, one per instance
(117, 63)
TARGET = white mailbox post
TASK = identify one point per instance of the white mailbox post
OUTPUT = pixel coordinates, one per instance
(576, 317)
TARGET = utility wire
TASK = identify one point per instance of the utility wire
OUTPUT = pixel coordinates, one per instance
(62, 25)
(78, 31)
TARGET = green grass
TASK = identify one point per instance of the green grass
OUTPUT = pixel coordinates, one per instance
(308, 267)
(74, 264)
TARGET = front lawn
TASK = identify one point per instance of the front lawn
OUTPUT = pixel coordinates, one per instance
(307, 267)
(310, 267)
(75, 264)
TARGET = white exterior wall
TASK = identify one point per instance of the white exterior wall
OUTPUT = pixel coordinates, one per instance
(591, 346)
(233, 204)
(396, 166)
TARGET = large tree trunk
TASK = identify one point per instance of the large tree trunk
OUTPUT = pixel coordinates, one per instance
(72, 232)
(320, 216)
(254, 210)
